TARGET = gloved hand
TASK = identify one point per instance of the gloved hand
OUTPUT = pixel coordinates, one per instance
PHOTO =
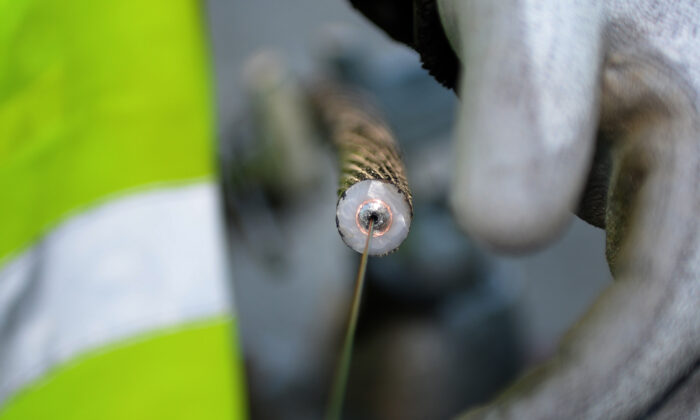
(591, 106)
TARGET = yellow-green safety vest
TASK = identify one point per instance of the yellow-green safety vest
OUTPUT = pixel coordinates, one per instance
(114, 295)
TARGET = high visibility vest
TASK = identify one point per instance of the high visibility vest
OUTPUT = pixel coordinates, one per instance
(114, 302)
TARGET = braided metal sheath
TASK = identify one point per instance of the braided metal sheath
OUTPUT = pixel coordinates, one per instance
(373, 181)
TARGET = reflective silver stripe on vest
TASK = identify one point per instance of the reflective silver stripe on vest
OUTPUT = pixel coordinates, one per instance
(137, 263)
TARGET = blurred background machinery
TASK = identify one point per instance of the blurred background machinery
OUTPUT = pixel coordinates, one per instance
(444, 324)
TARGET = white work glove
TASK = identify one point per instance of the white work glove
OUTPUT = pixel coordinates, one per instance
(545, 86)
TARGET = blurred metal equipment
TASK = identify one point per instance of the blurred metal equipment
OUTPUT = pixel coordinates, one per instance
(436, 330)
(289, 266)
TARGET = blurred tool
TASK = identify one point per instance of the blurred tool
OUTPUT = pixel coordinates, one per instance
(292, 301)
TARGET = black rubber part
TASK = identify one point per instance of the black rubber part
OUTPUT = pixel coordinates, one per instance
(431, 43)
(395, 17)
(416, 23)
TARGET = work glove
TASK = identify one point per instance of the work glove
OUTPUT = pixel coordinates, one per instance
(590, 107)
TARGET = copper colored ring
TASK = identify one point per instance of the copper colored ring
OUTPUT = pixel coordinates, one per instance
(376, 232)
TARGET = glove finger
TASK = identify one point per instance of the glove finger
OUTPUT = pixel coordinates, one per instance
(528, 116)
(683, 402)
(641, 337)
